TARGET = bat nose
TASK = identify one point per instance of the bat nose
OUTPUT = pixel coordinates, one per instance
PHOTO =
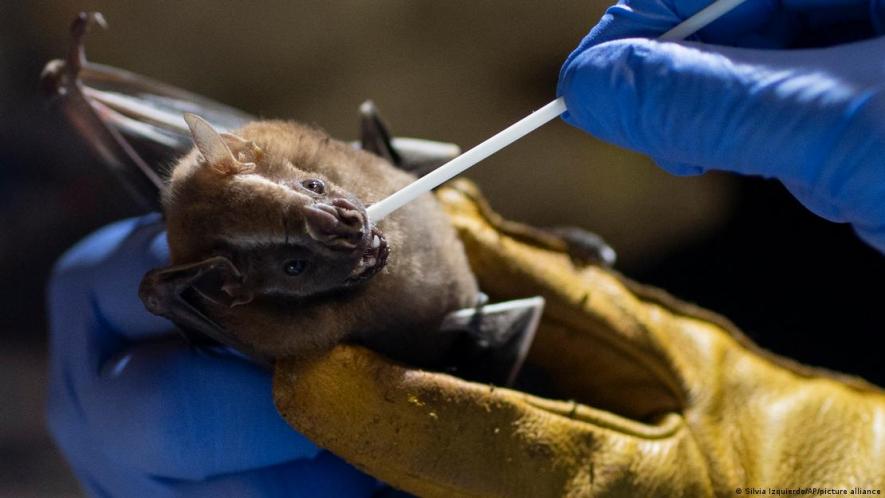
(342, 222)
(350, 213)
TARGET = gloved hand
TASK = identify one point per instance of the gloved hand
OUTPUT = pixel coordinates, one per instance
(678, 402)
(742, 100)
(137, 412)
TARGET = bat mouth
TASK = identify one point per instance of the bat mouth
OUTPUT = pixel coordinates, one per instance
(372, 260)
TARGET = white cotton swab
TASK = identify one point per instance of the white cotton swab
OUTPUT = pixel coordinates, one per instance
(698, 21)
(524, 126)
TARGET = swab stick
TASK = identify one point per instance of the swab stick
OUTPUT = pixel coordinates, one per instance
(524, 126)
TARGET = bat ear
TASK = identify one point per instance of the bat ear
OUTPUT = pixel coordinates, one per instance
(246, 151)
(214, 147)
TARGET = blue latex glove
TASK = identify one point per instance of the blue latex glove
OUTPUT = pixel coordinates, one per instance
(139, 413)
(738, 99)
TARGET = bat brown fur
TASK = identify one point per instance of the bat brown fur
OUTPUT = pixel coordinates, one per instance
(256, 203)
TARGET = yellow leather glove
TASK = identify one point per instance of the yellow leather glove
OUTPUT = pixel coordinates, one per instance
(673, 400)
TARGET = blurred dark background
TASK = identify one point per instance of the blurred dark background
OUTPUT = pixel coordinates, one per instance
(452, 71)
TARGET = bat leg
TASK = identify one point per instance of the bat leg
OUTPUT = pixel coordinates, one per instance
(182, 293)
(584, 246)
(493, 339)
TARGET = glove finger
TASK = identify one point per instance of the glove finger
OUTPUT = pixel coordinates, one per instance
(754, 23)
(323, 475)
(173, 411)
(873, 235)
(108, 266)
(435, 435)
(652, 18)
(751, 16)
(762, 112)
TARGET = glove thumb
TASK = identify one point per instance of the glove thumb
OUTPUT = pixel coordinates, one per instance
(807, 117)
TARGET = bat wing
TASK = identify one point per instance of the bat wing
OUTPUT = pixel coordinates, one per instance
(134, 123)
(181, 293)
(493, 339)
(130, 121)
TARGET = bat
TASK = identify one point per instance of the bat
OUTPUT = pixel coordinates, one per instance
(269, 226)
(272, 251)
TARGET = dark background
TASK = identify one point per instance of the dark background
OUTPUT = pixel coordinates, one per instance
(453, 71)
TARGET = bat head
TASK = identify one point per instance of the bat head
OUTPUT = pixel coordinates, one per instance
(288, 232)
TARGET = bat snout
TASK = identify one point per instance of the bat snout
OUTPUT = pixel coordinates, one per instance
(339, 224)
(350, 213)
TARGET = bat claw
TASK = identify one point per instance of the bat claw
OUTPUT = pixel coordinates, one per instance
(77, 53)
(84, 22)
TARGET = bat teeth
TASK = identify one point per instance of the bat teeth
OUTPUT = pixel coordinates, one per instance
(373, 259)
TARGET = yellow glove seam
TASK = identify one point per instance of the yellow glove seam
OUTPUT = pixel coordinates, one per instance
(666, 426)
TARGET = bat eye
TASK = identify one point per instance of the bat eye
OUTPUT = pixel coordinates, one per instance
(314, 185)
(294, 267)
